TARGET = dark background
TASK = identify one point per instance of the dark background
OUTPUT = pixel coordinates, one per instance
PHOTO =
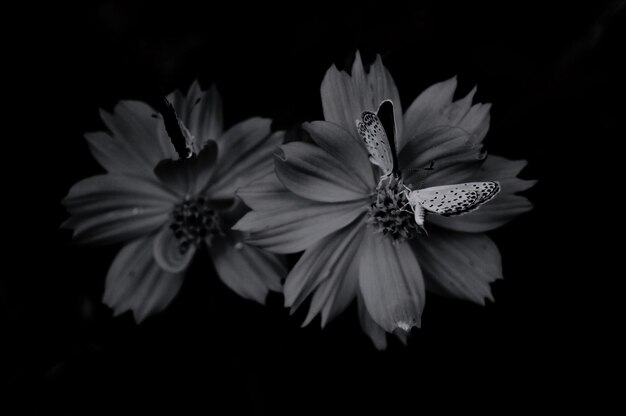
(555, 77)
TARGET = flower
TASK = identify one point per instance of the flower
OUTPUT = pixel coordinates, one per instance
(358, 238)
(164, 209)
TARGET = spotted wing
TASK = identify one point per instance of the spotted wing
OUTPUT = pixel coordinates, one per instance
(457, 199)
(373, 133)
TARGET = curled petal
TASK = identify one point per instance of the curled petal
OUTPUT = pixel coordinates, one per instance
(247, 270)
(311, 173)
(167, 253)
(135, 282)
(459, 264)
(112, 208)
(391, 283)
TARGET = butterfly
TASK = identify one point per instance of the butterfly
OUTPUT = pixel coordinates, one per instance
(450, 200)
(183, 141)
(378, 133)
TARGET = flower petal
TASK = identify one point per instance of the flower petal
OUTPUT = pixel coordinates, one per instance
(434, 110)
(200, 111)
(503, 208)
(460, 264)
(311, 173)
(371, 328)
(245, 151)
(345, 97)
(135, 282)
(189, 176)
(136, 143)
(112, 208)
(452, 151)
(391, 283)
(340, 296)
(296, 224)
(345, 148)
(427, 107)
(285, 223)
(167, 254)
(247, 270)
(263, 193)
(322, 268)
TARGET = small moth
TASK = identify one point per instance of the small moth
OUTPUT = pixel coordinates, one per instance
(378, 132)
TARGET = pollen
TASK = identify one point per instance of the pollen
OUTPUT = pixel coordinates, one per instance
(194, 220)
(389, 212)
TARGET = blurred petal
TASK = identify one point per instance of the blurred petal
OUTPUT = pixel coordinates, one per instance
(324, 263)
(391, 283)
(201, 112)
(112, 208)
(345, 148)
(371, 328)
(308, 171)
(245, 154)
(345, 97)
(248, 271)
(503, 208)
(167, 254)
(460, 264)
(136, 142)
(189, 176)
(135, 282)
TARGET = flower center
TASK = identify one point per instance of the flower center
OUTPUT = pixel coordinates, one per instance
(390, 213)
(194, 220)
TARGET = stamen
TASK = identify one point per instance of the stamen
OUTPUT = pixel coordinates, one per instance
(389, 212)
(194, 220)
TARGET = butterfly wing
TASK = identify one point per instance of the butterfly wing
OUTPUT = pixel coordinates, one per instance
(456, 199)
(376, 141)
(179, 135)
(386, 116)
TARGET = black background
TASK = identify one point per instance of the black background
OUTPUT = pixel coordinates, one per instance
(556, 81)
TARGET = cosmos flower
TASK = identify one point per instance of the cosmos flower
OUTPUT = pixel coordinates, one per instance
(164, 209)
(359, 239)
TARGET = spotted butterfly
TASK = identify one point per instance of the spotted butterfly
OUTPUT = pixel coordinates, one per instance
(378, 133)
(450, 200)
